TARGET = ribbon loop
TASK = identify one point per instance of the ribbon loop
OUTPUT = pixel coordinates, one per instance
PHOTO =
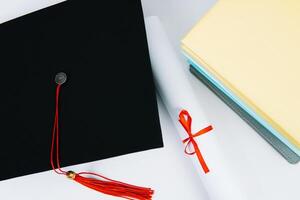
(186, 149)
(186, 121)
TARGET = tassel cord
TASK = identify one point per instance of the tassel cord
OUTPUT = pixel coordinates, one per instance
(102, 184)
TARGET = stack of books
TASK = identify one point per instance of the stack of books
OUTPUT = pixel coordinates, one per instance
(247, 52)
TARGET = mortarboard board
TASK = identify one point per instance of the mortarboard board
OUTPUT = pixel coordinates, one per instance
(108, 103)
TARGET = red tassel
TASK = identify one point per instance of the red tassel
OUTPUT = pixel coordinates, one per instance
(102, 184)
(112, 187)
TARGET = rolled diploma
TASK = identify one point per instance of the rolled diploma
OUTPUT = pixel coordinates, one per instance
(177, 94)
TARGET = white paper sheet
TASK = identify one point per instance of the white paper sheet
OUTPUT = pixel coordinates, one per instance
(177, 94)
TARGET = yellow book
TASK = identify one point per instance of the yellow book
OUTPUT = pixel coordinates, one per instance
(253, 48)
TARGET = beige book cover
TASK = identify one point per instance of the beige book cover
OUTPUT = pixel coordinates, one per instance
(253, 48)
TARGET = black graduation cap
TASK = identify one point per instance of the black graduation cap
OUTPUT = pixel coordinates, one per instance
(107, 106)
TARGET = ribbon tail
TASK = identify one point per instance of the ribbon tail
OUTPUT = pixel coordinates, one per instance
(200, 158)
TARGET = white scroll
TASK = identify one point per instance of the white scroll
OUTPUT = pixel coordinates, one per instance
(177, 94)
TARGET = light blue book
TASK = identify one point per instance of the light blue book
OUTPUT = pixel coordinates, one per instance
(290, 152)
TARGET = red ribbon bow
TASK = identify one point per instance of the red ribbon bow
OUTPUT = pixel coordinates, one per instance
(186, 121)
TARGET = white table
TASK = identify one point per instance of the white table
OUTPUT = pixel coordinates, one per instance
(168, 170)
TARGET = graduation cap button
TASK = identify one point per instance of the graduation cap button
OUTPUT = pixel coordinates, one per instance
(61, 78)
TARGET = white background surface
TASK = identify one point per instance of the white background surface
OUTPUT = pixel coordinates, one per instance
(168, 170)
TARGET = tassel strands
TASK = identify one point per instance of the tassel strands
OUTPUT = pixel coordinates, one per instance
(112, 187)
(91, 180)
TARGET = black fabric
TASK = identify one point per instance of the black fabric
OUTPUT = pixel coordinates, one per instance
(108, 104)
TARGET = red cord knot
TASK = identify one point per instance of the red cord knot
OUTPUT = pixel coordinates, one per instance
(71, 175)
(186, 121)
